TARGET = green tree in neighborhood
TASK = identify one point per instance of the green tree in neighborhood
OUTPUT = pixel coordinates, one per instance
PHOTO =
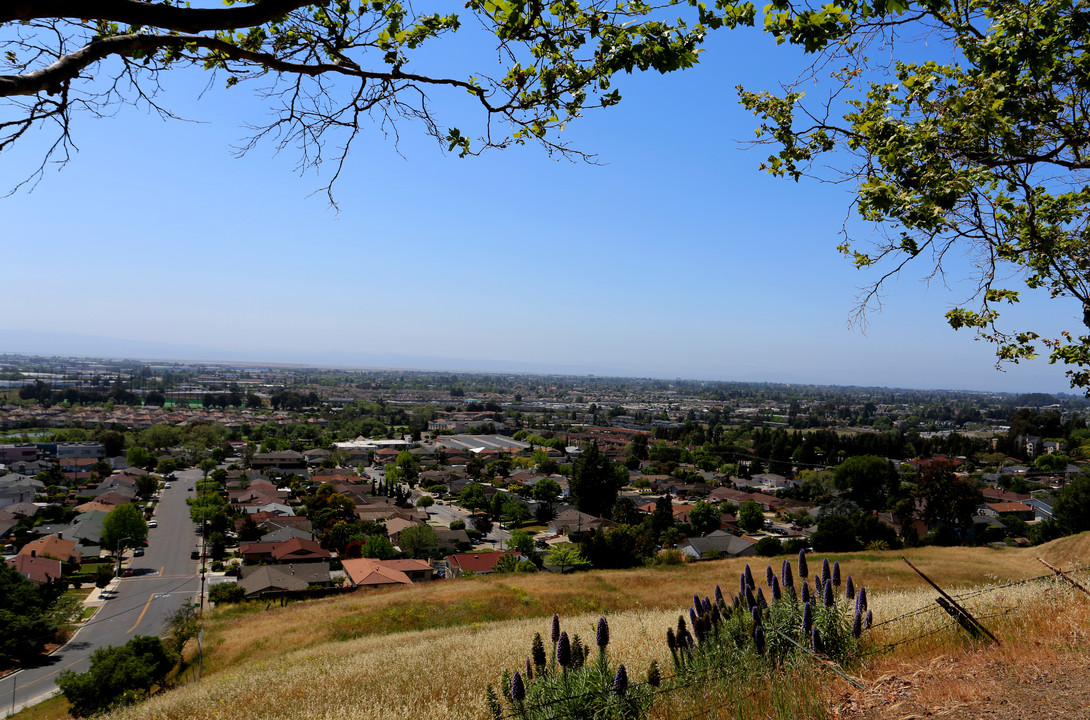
(23, 615)
(868, 480)
(117, 676)
(594, 483)
(750, 516)
(948, 499)
(546, 491)
(378, 547)
(1072, 509)
(566, 558)
(138, 456)
(124, 527)
(418, 540)
(704, 517)
(472, 497)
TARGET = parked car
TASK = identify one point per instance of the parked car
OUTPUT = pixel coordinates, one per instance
(195, 555)
(138, 552)
(166, 486)
(153, 523)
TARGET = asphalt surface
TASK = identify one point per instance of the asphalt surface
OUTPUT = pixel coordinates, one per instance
(137, 605)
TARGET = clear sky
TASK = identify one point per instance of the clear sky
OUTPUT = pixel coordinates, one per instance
(675, 257)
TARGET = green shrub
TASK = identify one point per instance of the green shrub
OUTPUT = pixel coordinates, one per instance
(226, 593)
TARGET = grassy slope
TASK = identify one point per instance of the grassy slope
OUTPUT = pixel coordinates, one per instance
(428, 651)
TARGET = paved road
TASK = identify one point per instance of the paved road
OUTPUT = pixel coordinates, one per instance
(139, 605)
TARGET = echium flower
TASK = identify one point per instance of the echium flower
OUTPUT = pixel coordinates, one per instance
(698, 604)
(830, 600)
(719, 595)
(620, 680)
(700, 628)
(786, 575)
(815, 640)
(692, 617)
(537, 651)
(671, 641)
(750, 600)
(749, 576)
(707, 605)
(857, 624)
(601, 635)
(717, 617)
(759, 639)
(755, 614)
(861, 600)
(849, 588)
(554, 633)
(805, 592)
(742, 585)
(769, 575)
(776, 594)
(518, 689)
(563, 650)
(654, 677)
(826, 573)
(681, 629)
(529, 670)
(803, 571)
(761, 602)
(836, 573)
(870, 619)
(807, 619)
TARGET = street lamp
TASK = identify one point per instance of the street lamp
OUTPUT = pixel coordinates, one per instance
(117, 552)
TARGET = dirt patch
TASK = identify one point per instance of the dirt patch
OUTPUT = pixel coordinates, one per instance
(978, 686)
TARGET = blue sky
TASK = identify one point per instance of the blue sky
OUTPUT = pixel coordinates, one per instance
(676, 257)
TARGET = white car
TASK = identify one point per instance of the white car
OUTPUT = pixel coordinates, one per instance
(166, 486)
(153, 523)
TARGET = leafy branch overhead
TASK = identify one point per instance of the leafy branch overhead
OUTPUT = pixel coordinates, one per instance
(973, 148)
(330, 68)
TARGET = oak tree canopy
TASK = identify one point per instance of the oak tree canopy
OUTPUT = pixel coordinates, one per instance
(330, 69)
(960, 126)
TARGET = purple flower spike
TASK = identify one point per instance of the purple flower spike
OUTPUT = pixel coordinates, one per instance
(829, 599)
(803, 571)
(620, 681)
(563, 650)
(755, 614)
(749, 577)
(870, 619)
(518, 689)
(807, 619)
(849, 588)
(786, 575)
(815, 640)
(698, 603)
(761, 602)
(742, 585)
(769, 575)
(707, 605)
(601, 635)
(861, 600)
(529, 669)
(776, 594)
(718, 595)
(857, 624)
(554, 634)
(759, 639)
(750, 600)
(836, 574)
(805, 592)
(825, 572)
(692, 617)
(671, 641)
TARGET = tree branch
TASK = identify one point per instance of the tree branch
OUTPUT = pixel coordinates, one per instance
(136, 12)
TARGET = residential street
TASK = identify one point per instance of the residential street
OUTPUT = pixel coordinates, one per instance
(129, 606)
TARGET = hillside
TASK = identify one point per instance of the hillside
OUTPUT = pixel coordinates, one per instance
(429, 651)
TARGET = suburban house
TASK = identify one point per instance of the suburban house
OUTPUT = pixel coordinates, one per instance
(718, 544)
(572, 521)
(293, 550)
(39, 569)
(479, 563)
(367, 571)
(1008, 509)
(269, 580)
(53, 546)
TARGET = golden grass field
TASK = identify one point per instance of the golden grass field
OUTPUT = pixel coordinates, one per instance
(427, 652)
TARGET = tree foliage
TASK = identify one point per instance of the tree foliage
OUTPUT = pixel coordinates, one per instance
(117, 676)
(329, 68)
(594, 482)
(23, 615)
(123, 527)
(969, 141)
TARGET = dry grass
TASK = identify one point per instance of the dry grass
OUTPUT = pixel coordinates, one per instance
(427, 652)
